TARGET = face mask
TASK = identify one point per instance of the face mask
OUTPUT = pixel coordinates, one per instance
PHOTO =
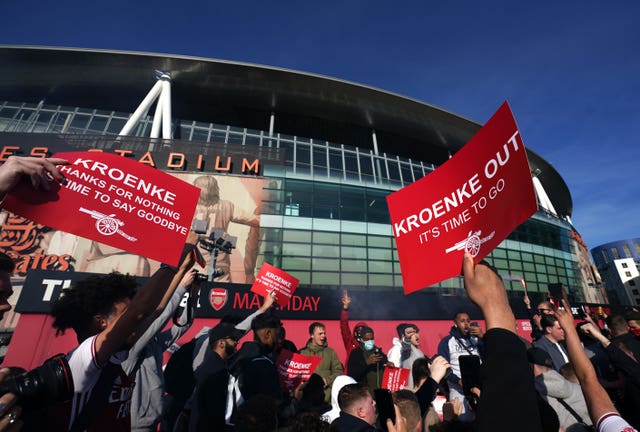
(369, 345)
(635, 331)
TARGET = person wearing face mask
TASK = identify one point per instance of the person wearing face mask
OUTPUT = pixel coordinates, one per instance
(367, 362)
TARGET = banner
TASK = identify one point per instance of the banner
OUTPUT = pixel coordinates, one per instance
(394, 379)
(270, 279)
(293, 368)
(116, 201)
(470, 203)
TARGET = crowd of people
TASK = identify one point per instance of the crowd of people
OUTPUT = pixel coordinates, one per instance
(573, 377)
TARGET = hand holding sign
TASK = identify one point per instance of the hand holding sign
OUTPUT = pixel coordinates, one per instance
(18, 174)
(275, 282)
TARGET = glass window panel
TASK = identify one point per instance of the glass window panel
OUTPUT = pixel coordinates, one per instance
(98, 124)
(235, 138)
(326, 212)
(116, 125)
(354, 252)
(515, 265)
(381, 280)
(380, 254)
(417, 171)
(200, 134)
(291, 263)
(530, 277)
(513, 255)
(218, 135)
(302, 153)
(355, 279)
(79, 121)
(335, 160)
(350, 161)
(353, 265)
(379, 241)
(541, 268)
(501, 264)
(528, 266)
(296, 236)
(326, 237)
(326, 251)
(326, 264)
(8, 112)
(539, 259)
(406, 173)
(380, 267)
(296, 249)
(365, 164)
(527, 256)
(353, 240)
(499, 253)
(394, 172)
(326, 278)
(304, 277)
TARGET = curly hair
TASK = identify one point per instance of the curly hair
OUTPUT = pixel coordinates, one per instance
(95, 295)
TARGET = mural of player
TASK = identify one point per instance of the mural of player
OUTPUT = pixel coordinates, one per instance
(221, 214)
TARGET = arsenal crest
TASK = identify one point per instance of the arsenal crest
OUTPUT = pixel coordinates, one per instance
(218, 298)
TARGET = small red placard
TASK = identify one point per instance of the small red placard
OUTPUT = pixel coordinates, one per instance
(294, 368)
(270, 278)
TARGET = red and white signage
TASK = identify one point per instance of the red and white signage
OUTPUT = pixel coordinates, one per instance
(270, 278)
(470, 203)
(293, 368)
(394, 379)
(117, 201)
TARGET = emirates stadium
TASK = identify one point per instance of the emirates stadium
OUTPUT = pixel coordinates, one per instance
(301, 162)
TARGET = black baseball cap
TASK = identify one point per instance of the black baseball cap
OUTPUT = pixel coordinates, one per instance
(224, 330)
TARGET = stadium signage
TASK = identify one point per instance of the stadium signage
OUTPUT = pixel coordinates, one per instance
(468, 205)
(158, 159)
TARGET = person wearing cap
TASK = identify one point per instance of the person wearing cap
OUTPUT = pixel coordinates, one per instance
(405, 349)
(366, 363)
(565, 397)
(210, 395)
(348, 337)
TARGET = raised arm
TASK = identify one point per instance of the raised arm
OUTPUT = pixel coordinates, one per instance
(505, 369)
(146, 305)
(598, 401)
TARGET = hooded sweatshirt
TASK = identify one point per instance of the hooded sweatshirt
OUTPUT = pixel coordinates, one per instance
(338, 383)
(403, 354)
(553, 386)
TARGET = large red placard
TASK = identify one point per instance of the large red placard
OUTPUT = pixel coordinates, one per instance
(117, 201)
(470, 203)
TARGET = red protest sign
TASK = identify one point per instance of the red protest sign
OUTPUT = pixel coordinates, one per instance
(117, 201)
(470, 203)
(270, 278)
(293, 368)
(394, 379)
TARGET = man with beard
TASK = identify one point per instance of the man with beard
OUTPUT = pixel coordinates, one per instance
(330, 366)
(210, 395)
(463, 339)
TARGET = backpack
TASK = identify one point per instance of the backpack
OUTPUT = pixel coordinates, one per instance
(179, 380)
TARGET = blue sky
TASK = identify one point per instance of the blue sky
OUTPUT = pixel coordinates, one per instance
(570, 69)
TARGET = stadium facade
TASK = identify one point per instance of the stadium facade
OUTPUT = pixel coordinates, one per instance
(303, 162)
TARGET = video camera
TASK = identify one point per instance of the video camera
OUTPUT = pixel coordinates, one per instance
(47, 384)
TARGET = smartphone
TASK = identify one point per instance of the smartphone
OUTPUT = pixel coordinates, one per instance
(474, 324)
(386, 409)
(555, 289)
(470, 371)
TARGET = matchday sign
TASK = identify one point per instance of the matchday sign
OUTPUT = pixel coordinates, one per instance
(294, 368)
(270, 279)
(116, 201)
(470, 203)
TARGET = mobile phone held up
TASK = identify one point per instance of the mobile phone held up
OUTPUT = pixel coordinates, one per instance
(386, 410)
